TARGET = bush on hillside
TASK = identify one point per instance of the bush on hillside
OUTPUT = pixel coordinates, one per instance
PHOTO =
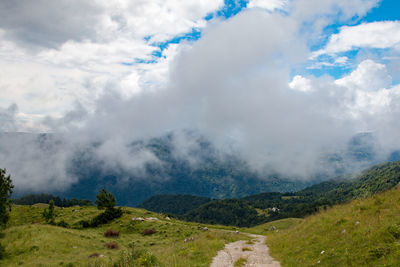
(105, 217)
(111, 245)
(62, 223)
(49, 214)
(111, 233)
(137, 257)
(149, 232)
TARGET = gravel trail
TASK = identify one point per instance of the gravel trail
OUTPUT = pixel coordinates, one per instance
(256, 254)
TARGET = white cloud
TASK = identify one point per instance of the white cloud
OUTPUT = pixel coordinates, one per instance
(370, 96)
(56, 54)
(232, 83)
(383, 34)
(369, 76)
(324, 11)
(300, 83)
(267, 4)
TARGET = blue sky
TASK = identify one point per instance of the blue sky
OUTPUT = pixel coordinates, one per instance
(384, 11)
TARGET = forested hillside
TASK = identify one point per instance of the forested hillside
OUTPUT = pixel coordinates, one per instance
(174, 204)
(270, 206)
(45, 198)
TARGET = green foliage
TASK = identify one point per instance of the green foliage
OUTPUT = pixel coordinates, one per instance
(240, 262)
(394, 230)
(105, 200)
(174, 204)
(226, 212)
(45, 198)
(62, 223)
(6, 189)
(49, 214)
(105, 217)
(135, 257)
(243, 212)
(2, 251)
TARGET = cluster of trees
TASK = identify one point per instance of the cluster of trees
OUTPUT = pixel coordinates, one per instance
(227, 212)
(174, 204)
(6, 189)
(46, 198)
(105, 201)
(256, 209)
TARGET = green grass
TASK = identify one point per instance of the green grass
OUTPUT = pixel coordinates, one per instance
(30, 242)
(361, 233)
(283, 224)
(240, 262)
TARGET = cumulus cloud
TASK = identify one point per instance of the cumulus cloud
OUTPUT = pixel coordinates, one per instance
(381, 34)
(56, 54)
(300, 83)
(369, 76)
(46, 23)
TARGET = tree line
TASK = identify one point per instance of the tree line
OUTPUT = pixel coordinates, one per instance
(32, 199)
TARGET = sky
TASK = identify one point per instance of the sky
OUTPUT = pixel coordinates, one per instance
(280, 82)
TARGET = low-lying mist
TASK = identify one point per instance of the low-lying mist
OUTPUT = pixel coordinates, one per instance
(235, 90)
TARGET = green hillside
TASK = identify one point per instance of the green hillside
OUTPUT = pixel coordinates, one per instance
(28, 241)
(174, 204)
(271, 206)
(364, 232)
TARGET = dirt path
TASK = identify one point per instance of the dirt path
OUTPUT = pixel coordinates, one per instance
(256, 253)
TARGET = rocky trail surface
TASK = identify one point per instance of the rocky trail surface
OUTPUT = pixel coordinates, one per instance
(254, 253)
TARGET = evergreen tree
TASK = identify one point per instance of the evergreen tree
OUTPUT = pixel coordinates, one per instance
(105, 200)
(6, 187)
(49, 214)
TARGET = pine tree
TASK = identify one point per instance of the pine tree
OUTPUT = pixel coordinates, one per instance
(49, 214)
(6, 189)
(105, 200)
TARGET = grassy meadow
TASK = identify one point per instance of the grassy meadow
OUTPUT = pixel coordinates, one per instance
(30, 242)
(363, 232)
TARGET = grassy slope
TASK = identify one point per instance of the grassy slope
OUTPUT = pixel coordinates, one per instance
(361, 233)
(29, 242)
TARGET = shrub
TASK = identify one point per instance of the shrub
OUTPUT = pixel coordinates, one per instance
(379, 252)
(111, 245)
(6, 189)
(136, 257)
(2, 251)
(84, 224)
(394, 230)
(149, 232)
(111, 233)
(62, 223)
(106, 216)
(49, 214)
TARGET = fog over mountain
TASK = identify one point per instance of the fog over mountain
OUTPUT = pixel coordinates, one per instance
(242, 87)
